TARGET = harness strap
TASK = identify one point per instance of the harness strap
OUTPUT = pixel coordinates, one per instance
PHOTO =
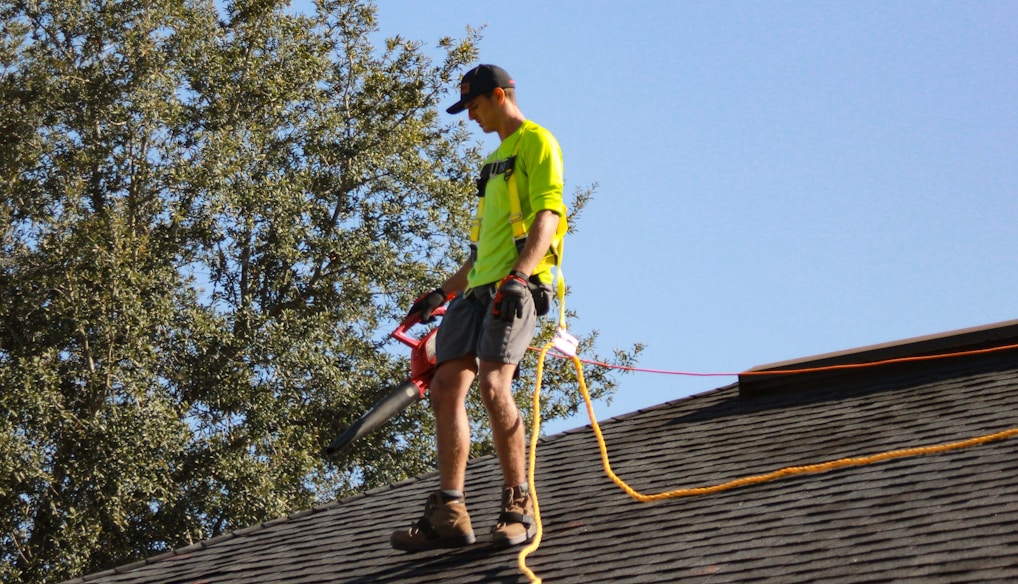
(515, 210)
(506, 168)
(494, 169)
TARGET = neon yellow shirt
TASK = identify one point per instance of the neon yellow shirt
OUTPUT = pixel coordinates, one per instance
(539, 180)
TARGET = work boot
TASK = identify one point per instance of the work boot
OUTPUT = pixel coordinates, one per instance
(445, 524)
(516, 522)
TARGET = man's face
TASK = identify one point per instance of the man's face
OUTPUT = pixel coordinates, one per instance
(482, 109)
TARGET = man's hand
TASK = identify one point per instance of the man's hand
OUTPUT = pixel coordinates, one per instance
(427, 304)
(508, 302)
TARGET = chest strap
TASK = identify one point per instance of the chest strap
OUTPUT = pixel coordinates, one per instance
(506, 168)
(493, 169)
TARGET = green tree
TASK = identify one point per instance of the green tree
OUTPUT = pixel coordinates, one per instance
(211, 221)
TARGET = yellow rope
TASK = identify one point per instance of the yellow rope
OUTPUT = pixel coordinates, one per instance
(521, 559)
(750, 480)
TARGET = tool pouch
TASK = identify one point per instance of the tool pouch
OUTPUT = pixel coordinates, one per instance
(543, 295)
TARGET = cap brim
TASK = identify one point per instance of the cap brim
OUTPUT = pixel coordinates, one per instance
(457, 107)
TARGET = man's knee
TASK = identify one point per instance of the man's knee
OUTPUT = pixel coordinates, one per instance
(495, 380)
(451, 382)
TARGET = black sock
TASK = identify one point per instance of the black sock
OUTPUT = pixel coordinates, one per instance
(450, 495)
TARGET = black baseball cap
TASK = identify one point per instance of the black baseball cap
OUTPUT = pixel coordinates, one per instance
(481, 80)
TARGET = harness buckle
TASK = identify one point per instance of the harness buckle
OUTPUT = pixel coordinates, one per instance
(492, 169)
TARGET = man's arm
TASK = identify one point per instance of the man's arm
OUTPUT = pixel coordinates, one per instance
(539, 238)
(458, 281)
(508, 302)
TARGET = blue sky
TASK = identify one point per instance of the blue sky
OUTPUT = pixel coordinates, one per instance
(776, 179)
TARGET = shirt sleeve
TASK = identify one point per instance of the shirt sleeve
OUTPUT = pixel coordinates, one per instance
(542, 161)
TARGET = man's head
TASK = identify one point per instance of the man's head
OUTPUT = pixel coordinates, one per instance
(481, 80)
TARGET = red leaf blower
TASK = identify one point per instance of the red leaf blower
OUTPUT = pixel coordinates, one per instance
(422, 369)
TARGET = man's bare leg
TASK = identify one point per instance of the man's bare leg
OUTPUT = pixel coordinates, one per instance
(449, 390)
(507, 429)
(516, 522)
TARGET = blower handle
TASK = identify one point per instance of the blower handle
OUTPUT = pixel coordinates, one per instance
(400, 334)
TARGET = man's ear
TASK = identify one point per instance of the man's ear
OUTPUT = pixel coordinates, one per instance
(499, 95)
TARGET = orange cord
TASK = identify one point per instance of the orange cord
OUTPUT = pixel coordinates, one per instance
(750, 480)
(789, 371)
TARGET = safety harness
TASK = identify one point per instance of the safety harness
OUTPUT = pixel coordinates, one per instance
(489, 171)
(507, 168)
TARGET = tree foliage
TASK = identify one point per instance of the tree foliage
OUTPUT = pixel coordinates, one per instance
(211, 220)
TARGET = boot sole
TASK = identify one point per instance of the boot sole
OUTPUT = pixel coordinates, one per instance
(502, 541)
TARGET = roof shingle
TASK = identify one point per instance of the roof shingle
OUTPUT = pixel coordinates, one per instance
(950, 517)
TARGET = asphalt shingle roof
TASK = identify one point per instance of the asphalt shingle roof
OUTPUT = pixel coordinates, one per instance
(950, 517)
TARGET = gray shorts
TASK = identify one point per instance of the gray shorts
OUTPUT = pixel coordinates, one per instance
(469, 328)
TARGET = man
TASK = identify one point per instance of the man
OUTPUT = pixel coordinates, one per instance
(492, 317)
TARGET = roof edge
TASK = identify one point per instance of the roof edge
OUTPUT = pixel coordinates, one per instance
(999, 334)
